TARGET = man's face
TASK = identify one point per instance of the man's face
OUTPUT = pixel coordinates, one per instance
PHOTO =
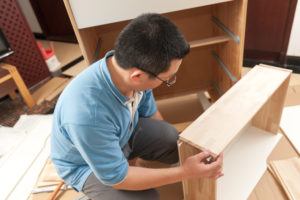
(147, 82)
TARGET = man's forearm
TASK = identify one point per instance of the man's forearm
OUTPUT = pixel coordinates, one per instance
(139, 178)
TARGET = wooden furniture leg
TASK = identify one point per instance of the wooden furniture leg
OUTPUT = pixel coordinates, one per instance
(14, 74)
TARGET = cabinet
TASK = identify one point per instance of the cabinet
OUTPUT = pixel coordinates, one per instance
(215, 30)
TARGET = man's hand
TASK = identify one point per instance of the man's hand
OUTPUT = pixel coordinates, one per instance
(194, 167)
(139, 178)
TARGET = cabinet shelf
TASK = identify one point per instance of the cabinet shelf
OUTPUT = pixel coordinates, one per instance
(209, 41)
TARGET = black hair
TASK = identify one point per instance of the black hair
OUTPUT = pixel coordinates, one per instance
(149, 42)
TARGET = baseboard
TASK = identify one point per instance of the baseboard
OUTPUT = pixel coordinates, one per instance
(72, 63)
(292, 63)
(40, 36)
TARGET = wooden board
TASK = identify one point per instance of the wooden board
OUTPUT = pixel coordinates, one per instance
(220, 124)
(242, 170)
(195, 189)
(76, 69)
(291, 126)
(233, 16)
(288, 173)
(48, 176)
(57, 91)
(44, 91)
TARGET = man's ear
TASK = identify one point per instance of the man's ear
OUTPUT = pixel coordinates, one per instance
(136, 74)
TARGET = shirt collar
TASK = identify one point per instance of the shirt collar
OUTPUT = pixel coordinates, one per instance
(110, 85)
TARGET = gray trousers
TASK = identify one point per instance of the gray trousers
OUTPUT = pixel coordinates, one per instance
(151, 140)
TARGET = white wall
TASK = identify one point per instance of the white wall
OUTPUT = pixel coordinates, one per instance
(294, 43)
(30, 16)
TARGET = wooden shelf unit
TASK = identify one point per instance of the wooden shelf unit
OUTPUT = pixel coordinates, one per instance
(199, 21)
(244, 122)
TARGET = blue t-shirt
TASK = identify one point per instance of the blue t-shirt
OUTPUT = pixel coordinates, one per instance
(91, 125)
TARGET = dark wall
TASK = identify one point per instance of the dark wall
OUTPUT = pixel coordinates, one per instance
(26, 57)
(268, 29)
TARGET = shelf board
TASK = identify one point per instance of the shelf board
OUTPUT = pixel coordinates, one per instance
(209, 41)
(240, 174)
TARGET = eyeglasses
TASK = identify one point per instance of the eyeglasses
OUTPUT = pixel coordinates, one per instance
(171, 81)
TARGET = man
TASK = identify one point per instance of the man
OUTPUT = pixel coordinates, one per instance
(107, 115)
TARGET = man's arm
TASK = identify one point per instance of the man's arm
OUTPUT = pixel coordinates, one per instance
(139, 178)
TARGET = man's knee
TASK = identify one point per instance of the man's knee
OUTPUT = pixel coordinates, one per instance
(170, 135)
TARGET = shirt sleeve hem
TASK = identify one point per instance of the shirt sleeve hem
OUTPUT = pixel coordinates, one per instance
(118, 182)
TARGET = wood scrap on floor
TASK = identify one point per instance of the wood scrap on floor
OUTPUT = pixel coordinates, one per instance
(57, 91)
(48, 89)
(76, 69)
(48, 176)
(287, 172)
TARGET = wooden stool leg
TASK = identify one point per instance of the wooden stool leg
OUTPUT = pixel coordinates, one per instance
(20, 84)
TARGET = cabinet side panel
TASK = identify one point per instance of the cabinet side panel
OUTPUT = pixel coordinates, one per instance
(233, 16)
(268, 118)
(195, 189)
(87, 38)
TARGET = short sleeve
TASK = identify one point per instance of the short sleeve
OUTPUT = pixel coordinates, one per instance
(100, 149)
(147, 106)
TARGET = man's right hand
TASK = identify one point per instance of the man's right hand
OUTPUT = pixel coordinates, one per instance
(194, 167)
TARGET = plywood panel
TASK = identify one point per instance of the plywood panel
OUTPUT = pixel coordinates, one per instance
(269, 116)
(87, 38)
(242, 170)
(214, 129)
